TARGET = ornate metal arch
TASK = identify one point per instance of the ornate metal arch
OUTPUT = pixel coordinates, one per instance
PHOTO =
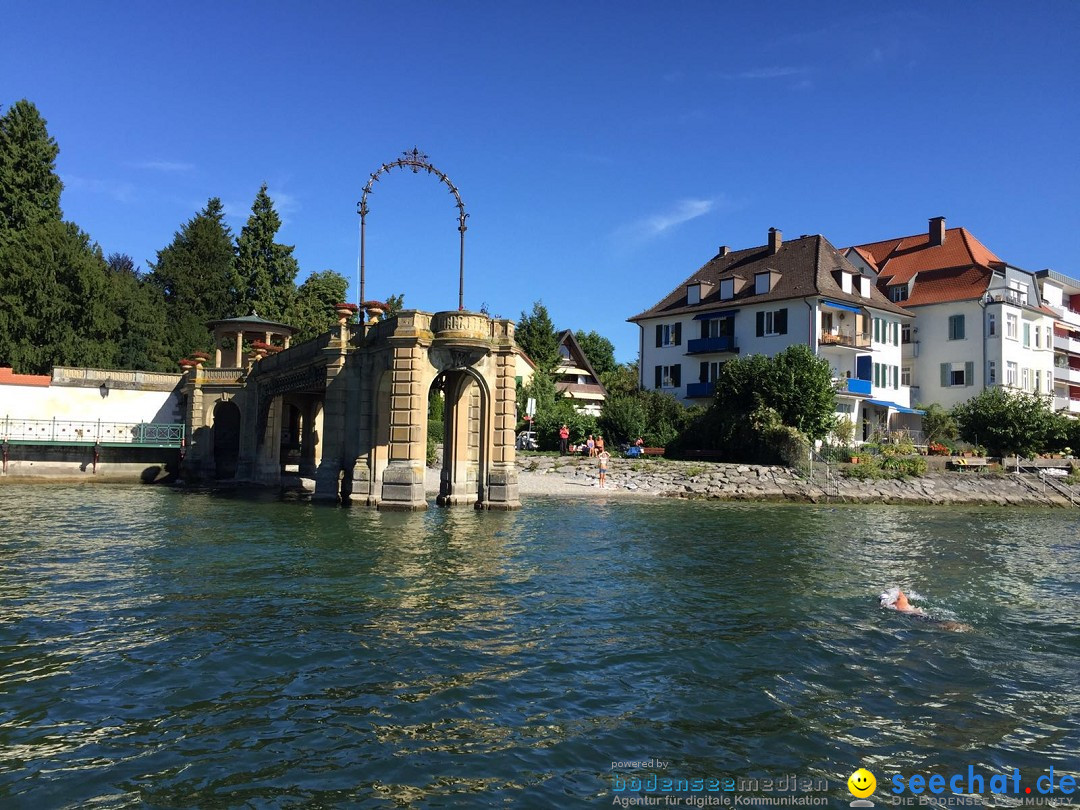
(415, 160)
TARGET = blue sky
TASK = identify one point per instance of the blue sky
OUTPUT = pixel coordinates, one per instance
(604, 150)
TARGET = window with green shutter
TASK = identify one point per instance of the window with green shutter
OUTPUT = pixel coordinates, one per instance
(956, 327)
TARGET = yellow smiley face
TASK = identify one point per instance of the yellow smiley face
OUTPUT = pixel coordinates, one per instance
(862, 783)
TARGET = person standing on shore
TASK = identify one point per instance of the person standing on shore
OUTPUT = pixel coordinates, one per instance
(590, 445)
(564, 440)
(603, 457)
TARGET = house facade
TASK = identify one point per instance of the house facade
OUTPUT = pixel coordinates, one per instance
(764, 299)
(979, 321)
(1061, 294)
(575, 377)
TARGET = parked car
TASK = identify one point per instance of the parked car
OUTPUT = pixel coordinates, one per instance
(526, 441)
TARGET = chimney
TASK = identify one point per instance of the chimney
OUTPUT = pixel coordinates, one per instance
(937, 231)
(724, 250)
(775, 240)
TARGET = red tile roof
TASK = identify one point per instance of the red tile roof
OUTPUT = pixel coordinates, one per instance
(951, 284)
(898, 260)
(9, 377)
(957, 270)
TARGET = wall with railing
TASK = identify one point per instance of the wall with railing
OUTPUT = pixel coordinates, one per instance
(94, 395)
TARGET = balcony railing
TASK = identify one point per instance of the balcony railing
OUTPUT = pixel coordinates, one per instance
(1007, 297)
(725, 343)
(1067, 344)
(854, 341)
(700, 390)
(1067, 404)
(65, 431)
(853, 386)
(1067, 374)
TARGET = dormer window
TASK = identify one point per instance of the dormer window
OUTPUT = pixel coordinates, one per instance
(864, 286)
(845, 282)
(761, 283)
(696, 292)
(727, 289)
(898, 293)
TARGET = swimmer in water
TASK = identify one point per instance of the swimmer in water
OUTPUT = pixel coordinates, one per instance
(896, 599)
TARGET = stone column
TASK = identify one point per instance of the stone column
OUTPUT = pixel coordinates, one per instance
(268, 461)
(335, 438)
(502, 483)
(239, 350)
(403, 478)
(457, 480)
(307, 438)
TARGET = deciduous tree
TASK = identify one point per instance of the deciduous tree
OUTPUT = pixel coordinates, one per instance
(599, 350)
(1008, 422)
(312, 313)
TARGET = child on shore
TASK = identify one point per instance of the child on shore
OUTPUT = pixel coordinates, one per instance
(603, 457)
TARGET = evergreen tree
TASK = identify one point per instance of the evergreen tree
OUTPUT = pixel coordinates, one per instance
(55, 307)
(265, 270)
(194, 277)
(537, 337)
(312, 313)
(29, 186)
(140, 308)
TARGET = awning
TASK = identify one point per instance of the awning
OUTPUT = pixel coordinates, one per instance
(884, 403)
(837, 305)
(720, 313)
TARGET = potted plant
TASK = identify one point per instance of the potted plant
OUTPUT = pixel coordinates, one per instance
(375, 310)
(345, 311)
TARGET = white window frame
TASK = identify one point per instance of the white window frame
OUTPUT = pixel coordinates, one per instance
(1012, 373)
(1012, 326)
(991, 373)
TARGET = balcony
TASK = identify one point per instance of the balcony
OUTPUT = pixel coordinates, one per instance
(844, 340)
(1067, 344)
(1070, 316)
(710, 345)
(700, 390)
(853, 386)
(1014, 297)
(1066, 374)
(1066, 404)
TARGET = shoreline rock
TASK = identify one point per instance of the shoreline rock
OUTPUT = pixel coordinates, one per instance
(694, 480)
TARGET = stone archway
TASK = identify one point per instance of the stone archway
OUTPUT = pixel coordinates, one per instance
(466, 438)
(226, 427)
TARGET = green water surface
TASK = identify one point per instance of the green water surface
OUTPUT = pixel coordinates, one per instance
(169, 649)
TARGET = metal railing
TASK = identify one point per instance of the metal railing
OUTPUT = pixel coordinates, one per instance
(89, 432)
(855, 341)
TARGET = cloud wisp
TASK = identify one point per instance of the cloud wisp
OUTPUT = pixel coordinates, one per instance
(772, 72)
(170, 166)
(655, 225)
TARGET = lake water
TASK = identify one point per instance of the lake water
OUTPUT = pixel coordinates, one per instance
(170, 649)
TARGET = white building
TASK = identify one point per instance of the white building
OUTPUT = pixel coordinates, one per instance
(762, 300)
(979, 321)
(1062, 295)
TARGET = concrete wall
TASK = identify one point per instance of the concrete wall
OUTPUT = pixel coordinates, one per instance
(87, 404)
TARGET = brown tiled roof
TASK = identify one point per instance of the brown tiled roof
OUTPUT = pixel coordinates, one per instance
(898, 260)
(806, 267)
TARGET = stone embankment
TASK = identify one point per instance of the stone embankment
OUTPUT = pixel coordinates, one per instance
(551, 475)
